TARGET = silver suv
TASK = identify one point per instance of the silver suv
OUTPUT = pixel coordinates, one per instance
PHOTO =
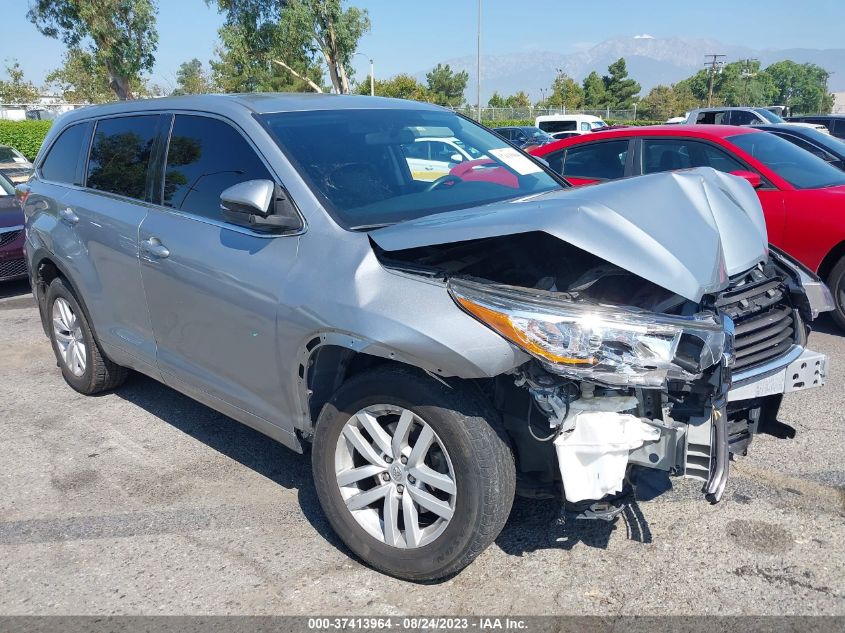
(441, 344)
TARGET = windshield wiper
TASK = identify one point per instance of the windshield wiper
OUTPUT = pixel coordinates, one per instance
(370, 227)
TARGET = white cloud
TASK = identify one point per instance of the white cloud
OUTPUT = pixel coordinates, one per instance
(644, 36)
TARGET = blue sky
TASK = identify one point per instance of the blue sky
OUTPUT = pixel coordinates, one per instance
(413, 35)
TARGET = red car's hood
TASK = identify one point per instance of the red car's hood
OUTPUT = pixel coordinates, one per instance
(10, 212)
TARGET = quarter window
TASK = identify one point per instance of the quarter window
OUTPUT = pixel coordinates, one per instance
(62, 161)
(204, 157)
(597, 160)
(120, 155)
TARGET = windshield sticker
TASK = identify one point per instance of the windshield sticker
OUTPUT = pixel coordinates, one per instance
(516, 161)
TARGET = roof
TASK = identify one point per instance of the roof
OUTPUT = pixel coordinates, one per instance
(254, 102)
(693, 131)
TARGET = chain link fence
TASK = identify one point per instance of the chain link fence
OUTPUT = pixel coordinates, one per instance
(491, 115)
(35, 111)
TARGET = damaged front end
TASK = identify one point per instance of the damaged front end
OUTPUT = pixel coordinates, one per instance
(636, 345)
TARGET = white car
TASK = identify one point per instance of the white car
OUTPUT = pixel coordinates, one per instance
(566, 125)
(432, 157)
(743, 116)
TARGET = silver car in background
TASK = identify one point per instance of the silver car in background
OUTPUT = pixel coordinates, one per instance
(442, 345)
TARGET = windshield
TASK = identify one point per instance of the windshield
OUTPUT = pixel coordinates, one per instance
(536, 133)
(770, 116)
(798, 167)
(9, 155)
(6, 187)
(598, 124)
(378, 167)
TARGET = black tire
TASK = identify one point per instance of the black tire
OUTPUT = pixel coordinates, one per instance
(836, 283)
(481, 459)
(100, 373)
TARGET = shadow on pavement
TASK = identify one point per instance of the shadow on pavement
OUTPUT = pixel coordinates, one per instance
(14, 288)
(539, 524)
(238, 442)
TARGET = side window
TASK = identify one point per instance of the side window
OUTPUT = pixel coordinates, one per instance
(718, 117)
(555, 161)
(597, 160)
(204, 157)
(667, 155)
(62, 161)
(443, 152)
(741, 117)
(120, 155)
(838, 128)
(585, 127)
(416, 150)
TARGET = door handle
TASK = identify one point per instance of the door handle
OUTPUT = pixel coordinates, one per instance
(154, 247)
(68, 216)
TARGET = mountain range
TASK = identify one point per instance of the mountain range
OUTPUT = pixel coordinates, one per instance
(650, 60)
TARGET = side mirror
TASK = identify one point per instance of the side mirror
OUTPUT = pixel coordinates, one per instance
(753, 178)
(456, 158)
(260, 204)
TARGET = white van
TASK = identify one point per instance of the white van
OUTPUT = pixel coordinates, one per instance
(566, 125)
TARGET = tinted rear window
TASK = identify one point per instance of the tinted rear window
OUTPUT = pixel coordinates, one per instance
(120, 155)
(61, 162)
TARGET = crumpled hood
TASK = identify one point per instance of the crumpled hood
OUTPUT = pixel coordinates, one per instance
(686, 231)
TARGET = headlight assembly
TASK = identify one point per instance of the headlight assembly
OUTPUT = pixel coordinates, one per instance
(596, 342)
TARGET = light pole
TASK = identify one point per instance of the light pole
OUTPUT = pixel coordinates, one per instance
(478, 66)
(372, 78)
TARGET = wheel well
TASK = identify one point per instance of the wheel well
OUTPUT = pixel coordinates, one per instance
(835, 254)
(45, 272)
(329, 366)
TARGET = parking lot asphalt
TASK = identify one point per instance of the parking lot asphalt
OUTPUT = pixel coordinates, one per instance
(142, 501)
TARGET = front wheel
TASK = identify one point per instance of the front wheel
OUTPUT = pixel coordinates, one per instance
(411, 474)
(836, 283)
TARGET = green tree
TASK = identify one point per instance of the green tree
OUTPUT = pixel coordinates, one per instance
(663, 102)
(82, 78)
(803, 87)
(621, 90)
(122, 34)
(595, 94)
(292, 34)
(445, 86)
(518, 100)
(191, 79)
(566, 93)
(496, 101)
(16, 89)
(401, 86)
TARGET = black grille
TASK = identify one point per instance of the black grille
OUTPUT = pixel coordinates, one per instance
(764, 321)
(13, 268)
(11, 236)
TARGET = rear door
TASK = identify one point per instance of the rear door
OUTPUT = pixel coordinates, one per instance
(213, 287)
(105, 218)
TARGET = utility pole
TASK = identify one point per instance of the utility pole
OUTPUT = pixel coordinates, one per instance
(747, 75)
(478, 66)
(714, 63)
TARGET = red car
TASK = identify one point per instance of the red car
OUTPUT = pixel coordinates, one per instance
(803, 196)
(12, 261)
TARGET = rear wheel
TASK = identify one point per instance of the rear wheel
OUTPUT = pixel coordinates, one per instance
(83, 364)
(836, 283)
(411, 474)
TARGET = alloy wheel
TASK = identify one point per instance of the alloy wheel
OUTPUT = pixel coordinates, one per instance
(395, 476)
(67, 331)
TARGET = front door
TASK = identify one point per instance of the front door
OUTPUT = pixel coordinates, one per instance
(213, 288)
